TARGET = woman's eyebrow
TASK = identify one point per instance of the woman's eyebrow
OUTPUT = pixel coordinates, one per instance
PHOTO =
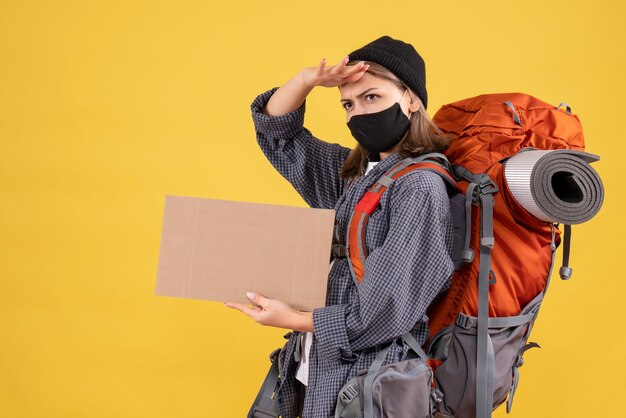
(361, 94)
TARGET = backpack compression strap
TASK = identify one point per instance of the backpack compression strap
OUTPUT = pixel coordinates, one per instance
(371, 200)
(484, 346)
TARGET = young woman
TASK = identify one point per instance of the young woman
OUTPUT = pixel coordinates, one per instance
(408, 237)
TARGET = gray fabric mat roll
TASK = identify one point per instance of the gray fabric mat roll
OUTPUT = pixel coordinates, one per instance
(556, 185)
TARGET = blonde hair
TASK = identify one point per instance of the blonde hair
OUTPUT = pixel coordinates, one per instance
(422, 137)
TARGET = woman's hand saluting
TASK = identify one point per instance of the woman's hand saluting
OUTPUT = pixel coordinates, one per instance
(275, 313)
(333, 76)
(292, 94)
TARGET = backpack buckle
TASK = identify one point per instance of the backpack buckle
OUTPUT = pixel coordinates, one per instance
(338, 250)
(348, 393)
(486, 185)
(437, 395)
(464, 321)
(467, 255)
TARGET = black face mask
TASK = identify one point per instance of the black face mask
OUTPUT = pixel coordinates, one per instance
(380, 131)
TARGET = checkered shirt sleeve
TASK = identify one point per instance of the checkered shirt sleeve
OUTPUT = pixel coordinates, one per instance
(401, 277)
(311, 165)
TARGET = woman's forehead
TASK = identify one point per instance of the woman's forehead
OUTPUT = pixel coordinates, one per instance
(366, 82)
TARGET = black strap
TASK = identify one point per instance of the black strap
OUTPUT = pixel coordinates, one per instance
(338, 251)
(265, 405)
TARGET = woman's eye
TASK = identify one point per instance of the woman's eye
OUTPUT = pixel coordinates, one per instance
(347, 105)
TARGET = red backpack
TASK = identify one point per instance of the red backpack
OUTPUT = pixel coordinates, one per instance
(503, 254)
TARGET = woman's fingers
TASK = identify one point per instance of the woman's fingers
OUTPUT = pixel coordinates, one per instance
(348, 70)
(320, 67)
(355, 72)
(274, 312)
(348, 74)
(257, 299)
(265, 311)
(354, 77)
(337, 69)
(359, 66)
(260, 302)
(246, 309)
(335, 75)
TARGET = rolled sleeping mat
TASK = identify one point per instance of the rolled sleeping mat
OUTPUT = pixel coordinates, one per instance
(555, 185)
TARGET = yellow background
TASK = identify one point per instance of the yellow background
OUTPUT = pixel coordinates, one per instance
(107, 106)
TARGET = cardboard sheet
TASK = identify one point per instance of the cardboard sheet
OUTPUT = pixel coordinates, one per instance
(218, 250)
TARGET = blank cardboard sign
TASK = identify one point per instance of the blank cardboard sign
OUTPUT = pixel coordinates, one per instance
(218, 250)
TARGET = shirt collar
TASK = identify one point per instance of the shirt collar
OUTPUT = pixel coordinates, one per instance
(385, 164)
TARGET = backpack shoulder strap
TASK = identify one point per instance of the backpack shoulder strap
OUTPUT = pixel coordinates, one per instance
(355, 248)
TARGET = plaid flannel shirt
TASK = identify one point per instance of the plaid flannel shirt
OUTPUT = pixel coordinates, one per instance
(409, 240)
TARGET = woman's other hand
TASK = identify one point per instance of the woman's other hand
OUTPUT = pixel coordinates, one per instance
(274, 312)
(333, 76)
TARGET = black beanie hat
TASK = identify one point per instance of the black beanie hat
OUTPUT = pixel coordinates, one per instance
(398, 57)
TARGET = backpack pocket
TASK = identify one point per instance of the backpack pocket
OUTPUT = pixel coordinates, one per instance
(399, 390)
(455, 346)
